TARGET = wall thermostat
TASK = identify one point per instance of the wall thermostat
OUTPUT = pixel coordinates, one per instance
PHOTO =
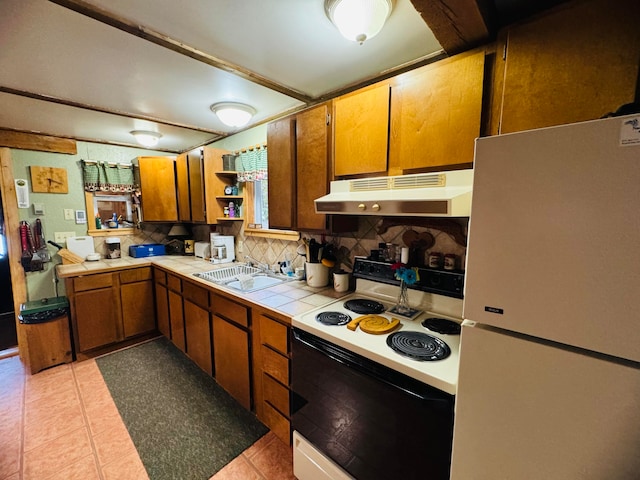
(81, 216)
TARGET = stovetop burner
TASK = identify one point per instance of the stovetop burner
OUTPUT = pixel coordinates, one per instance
(364, 306)
(333, 318)
(418, 346)
(442, 325)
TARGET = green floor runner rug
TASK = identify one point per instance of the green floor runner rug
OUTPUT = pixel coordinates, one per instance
(183, 424)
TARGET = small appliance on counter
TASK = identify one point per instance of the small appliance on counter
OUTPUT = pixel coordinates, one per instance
(222, 248)
(113, 247)
(202, 249)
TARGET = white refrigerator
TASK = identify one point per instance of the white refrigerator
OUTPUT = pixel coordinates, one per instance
(549, 383)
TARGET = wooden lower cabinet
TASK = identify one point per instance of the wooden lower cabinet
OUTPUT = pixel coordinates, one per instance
(162, 309)
(231, 353)
(96, 319)
(232, 347)
(272, 355)
(107, 308)
(176, 319)
(136, 296)
(197, 323)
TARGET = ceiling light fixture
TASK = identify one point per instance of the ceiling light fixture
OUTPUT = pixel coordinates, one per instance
(146, 138)
(358, 20)
(233, 114)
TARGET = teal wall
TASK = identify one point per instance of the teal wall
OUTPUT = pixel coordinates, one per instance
(41, 284)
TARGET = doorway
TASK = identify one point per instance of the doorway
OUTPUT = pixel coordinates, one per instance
(8, 334)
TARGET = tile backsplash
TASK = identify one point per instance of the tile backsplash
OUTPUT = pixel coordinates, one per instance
(269, 250)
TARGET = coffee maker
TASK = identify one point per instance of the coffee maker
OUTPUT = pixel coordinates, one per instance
(222, 248)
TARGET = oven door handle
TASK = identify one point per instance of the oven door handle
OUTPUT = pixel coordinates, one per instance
(368, 367)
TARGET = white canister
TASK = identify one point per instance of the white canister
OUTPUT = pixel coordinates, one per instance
(317, 274)
(341, 281)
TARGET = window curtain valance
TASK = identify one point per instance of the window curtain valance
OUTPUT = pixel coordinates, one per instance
(254, 164)
(107, 177)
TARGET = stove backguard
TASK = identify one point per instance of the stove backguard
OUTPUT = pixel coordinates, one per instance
(442, 282)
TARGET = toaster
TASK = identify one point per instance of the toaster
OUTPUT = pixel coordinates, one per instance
(202, 249)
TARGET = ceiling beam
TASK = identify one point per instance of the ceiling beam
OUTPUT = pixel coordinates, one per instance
(458, 25)
(165, 41)
(36, 141)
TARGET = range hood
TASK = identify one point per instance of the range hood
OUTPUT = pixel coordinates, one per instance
(438, 194)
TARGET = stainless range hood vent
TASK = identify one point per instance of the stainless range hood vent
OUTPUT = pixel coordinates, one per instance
(440, 194)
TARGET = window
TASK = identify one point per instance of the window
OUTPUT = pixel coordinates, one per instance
(104, 205)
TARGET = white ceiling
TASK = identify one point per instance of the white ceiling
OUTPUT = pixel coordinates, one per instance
(96, 69)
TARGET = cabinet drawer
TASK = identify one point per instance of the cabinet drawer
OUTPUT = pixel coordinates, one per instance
(274, 334)
(277, 423)
(197, 295)
(160, 276)
(101, 280)
(231, 310)
(276, 394)
(275, 365)
(174, 283)
(135, 275)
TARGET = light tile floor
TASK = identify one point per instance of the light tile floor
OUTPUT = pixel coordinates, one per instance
(62, 424)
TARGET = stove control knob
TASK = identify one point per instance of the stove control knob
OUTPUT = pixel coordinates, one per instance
(375, 207)
(362, 206)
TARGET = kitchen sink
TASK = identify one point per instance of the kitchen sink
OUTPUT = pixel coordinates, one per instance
(259, 282)
(254, 278)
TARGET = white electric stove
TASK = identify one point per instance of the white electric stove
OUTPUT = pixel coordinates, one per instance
(439, 373)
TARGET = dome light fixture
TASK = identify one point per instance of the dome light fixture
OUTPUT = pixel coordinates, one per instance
(233, 114)
(146, 138)
(358, 20)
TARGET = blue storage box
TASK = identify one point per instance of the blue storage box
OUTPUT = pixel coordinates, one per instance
(146, 250)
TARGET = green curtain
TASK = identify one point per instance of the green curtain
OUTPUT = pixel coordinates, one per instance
(254, 165)
(107, 177)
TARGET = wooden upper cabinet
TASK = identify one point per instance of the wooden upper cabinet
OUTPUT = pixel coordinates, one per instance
(190, 182)
(281, 139)
(312, 165)
(158, 189)
(573, 64)
(436, 114)
(361, 129)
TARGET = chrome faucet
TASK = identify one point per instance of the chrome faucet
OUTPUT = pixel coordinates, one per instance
(254, 263)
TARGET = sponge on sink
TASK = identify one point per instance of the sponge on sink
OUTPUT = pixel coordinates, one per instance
(246, 281)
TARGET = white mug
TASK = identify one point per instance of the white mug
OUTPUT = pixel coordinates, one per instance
(341, 281)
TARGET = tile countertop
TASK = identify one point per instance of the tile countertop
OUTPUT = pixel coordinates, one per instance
(288, 298)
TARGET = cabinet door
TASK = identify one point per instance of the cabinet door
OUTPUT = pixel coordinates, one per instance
(571, 65)
(138, 315)
(97, 318)
(196, 187)
(198, 335)
(182, 185)
(436, 114)
(281, 138)
(231, 354)
(176, 317)
(162, 310)
(312, 165)
(361, 131)
(158, 189)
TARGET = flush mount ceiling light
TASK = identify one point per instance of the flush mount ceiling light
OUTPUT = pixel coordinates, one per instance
(233, 114)
(358, 20)
(146, 138)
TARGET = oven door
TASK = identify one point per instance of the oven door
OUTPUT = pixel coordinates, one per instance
(373, 422)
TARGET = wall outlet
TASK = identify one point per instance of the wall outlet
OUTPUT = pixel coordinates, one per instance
(61, 237)
(69, 214)
(240, 246)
